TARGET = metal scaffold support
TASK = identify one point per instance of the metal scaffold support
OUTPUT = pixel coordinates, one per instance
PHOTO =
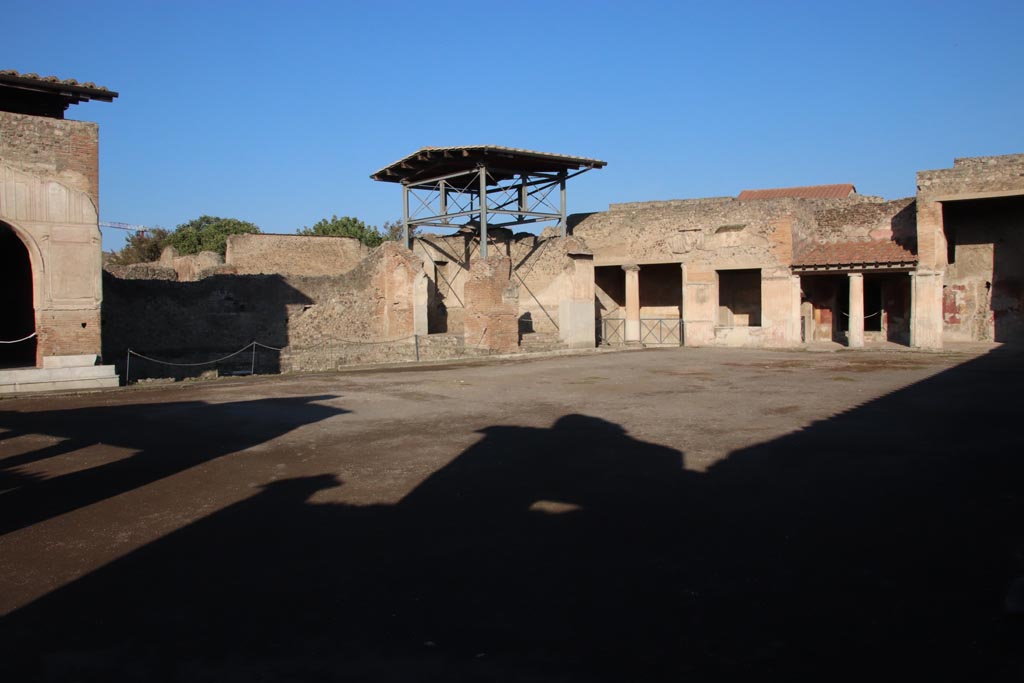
(473, 189)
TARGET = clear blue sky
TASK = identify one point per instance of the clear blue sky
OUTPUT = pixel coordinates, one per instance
(278, 112)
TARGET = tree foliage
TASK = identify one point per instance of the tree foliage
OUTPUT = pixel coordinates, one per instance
(345, 226)
(392, 230)
(208, 233)
(141, 247)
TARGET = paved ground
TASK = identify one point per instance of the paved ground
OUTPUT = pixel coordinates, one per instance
(658, 515)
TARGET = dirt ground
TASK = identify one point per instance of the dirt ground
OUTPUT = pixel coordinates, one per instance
(700, 514)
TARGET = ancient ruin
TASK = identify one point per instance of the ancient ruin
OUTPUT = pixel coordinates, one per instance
(767, 268)
(50, 250)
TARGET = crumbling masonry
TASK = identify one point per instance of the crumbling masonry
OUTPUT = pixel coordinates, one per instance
(775, 268)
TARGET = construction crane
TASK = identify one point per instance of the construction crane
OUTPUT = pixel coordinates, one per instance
(125, 226)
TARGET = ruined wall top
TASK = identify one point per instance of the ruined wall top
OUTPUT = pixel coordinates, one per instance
(973, 176)
(863, 222)
(293, 254)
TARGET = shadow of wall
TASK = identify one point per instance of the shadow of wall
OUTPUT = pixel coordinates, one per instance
(877, 544)
(194, 322)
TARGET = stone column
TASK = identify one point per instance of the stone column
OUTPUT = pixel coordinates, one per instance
(699, 305)
(420, 296)
(632, 303)
(780, 308)
(855, 336)
(926, 310)
(576, 305)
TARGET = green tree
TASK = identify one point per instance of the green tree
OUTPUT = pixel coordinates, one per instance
(392, 230)
(346, 226)
(208, 233)
(141, 247)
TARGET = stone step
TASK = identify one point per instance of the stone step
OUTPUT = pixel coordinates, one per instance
(53, 362)
(541, 341)
(57, 379)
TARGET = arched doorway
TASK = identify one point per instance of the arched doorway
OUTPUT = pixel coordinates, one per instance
(17, 313)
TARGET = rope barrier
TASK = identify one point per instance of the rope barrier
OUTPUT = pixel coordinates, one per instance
(16, 341)
(253, 345)
(865, 317)
(192, 365)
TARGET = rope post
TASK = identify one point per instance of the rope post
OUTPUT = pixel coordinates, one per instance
(252, 368)
(128, 368)
(416, 340)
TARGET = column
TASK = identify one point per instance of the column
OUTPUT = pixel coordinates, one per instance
(926, 310)
(855, 336)
(632, 303)
(699, 305)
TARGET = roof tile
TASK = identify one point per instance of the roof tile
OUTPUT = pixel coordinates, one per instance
(14, 77)
(875, 252)
(841, 191)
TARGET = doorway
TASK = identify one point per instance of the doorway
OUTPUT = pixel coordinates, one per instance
(17, 313)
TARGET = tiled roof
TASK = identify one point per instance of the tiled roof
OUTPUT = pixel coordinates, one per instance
(841, 191)
(66, 86)
(875, 252)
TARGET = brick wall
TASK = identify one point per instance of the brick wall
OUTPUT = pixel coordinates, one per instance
(315, 319)
(492, 306)
(72, 333)
(67, 151)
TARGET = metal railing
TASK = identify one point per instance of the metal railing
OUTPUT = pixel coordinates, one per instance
(653, 331)
(611, 332)
(661, 331)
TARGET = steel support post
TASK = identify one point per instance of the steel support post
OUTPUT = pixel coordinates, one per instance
(561, 190)
(405, 216)
(524, 199)
(483, 211)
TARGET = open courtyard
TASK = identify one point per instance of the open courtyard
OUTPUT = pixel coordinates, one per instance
(669, 514)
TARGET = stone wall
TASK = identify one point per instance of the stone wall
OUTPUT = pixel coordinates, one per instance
(554, 277)
(698, 231)
(48, 199)
(141, 271)
(983, 283)
(367, 315)
(293, 254)
(684, 244)
(191, 267)
(861, 222)
(373, 306)
(970, 214)
(193, 322)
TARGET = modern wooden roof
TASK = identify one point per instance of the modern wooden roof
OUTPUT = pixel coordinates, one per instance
(46, 95)
(502, 163)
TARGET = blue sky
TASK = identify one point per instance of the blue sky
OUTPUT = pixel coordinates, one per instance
(278, 112)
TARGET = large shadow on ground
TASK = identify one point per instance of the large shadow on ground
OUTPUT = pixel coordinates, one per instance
(876, 545)
(167, 438)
